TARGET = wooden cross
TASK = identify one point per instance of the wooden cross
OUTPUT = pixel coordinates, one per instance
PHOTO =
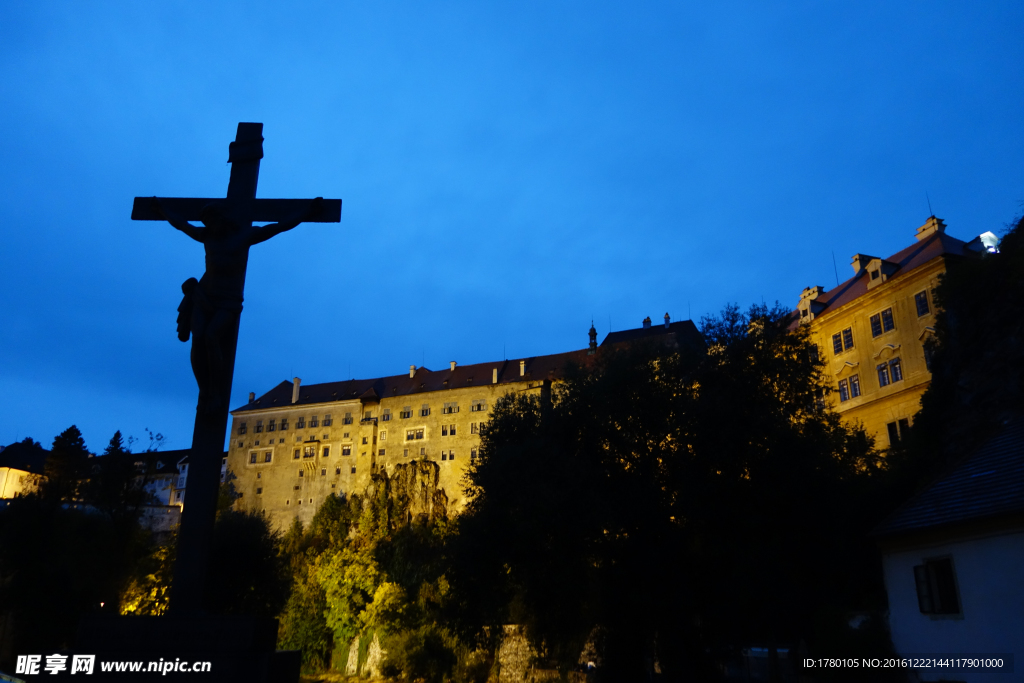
(210, 312)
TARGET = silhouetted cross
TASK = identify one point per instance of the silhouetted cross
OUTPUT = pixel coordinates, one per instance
(210, 313)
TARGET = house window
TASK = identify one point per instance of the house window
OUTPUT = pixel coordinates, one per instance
(450, 408)
(921, 301)
(936, 587)
(383, 435)
(267, 456)
(842, 341)
(241, 428)
(296, 456)
(479, 405)
(326, 451)
(300, 423)
(270, 425)
(406, 412)
(410, 434)
(313, 424)
(844, 391)
(882, 322)
(327, 420)
(895, 370)
(252, 458)
(346, 450)
(386, 415)
(259, 425)
(347, 419)
(284, 424)
(854, 386)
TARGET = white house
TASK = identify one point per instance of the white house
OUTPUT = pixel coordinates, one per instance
(953, 559)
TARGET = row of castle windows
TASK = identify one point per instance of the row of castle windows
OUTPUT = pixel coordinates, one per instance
(889, 372)
(478, 405)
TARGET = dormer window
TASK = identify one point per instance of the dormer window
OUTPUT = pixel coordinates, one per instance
(874, 274)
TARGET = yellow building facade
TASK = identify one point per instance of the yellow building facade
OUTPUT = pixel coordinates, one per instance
(872, 330)
(297, 444)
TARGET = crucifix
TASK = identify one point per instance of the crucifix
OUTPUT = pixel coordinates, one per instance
(210, 313)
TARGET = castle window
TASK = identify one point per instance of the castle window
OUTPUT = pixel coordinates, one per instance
(346, 450)
(424, 410)
(472, 454)
(419, 433)
(300, 423)
(270, 425)
(259, 475)
(423, 451)
(936, 587)
(479, 405)
(921, 301)
(313, 424)
(444, 455)
(326, 451)
(844, 391)
(308, 451)
(323, 471)
(256, 442)
(241, 428)
(444, 430)
(267, 456)
(895, 370)
(287, 502)
(337, 470)
(353, 469)
(883, 375)
(259, 425)
(854, 386)
(898, 430)
(410, 434)
(383, 435)
(386, 415)
(240, 444)
(252, 458)
(347, 419)
(882, 322)
(380, 452)
(874, 274)
(842, 341)
(368, 415)
(259, 491)
(405, 453)
(327, 420)
(302, 473)
(365, 440)
(296, 456)
(284, 424)
(406, 413)
(450, 408)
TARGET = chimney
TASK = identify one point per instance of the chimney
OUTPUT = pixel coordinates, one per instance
(412, 371)
(647, 323)
(494, 376)
(593, 340)
(522, 368)
(252, 396)
(930, 227)
(452, 364)
(296, 383)
(666, 321)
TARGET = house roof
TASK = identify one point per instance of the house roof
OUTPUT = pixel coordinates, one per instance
(536, 369)
(916, 255)
(681, 334)
(988, 483)
(24, 457)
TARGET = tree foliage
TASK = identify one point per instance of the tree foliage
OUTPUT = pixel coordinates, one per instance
(684, 502)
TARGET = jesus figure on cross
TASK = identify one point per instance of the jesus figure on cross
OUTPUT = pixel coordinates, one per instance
(211, 306)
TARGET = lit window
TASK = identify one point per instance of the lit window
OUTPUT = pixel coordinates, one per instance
(309, 451)
(346, 450)
(383, 435)
(419, 433)
(921, 301)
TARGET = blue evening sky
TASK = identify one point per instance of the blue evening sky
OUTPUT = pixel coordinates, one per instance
(509, 171)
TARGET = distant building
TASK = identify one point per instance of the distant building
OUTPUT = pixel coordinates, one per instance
(21, 466)
(295, 445)
(952, 559)
(871, 330)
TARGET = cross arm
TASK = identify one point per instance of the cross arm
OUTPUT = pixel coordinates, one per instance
(258, 210)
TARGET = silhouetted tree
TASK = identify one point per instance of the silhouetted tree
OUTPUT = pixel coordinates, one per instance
(65, 467)
(247, 573)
